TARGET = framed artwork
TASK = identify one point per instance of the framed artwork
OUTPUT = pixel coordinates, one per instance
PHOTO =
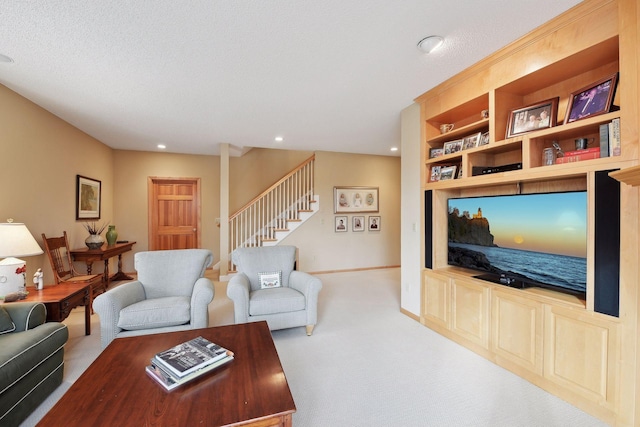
(358, 223)
(374, 223)
(88, 197)
(355, 199)
(533, 117)
(436, 152)
(471, 141)
(451, 147)
(434, 175)
(341, 224)
(484, 139)
(448, 172)
(592, 100)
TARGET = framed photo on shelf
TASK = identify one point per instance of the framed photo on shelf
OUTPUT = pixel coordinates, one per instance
(355, 199)
(484, 139)
(88, 197)
(592, 100)
(434, 173)
(533, 117)
(436, 152)
(341, 224)
(471, 141)
(358, 223)
(451, 147)
(374, 223)
(448, 172)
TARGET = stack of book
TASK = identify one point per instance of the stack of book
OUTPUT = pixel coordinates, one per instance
(578, 155)
(187, 361)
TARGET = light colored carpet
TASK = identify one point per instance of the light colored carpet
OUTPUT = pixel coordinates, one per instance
(369, 365)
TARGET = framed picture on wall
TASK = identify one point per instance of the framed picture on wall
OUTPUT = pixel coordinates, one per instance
(358, 223)
(341, 224)
(88, 197)
(374, 223)
(355, 199)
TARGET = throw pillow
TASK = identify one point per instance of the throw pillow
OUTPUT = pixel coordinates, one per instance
(272, 279)
(6, 324)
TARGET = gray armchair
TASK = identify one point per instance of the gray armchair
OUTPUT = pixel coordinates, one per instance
(293, 303)
(171, 294)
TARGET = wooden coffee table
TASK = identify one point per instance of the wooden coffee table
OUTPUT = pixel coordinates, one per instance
(252, 390)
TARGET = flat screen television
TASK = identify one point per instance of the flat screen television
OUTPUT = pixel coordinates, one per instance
(524, 240)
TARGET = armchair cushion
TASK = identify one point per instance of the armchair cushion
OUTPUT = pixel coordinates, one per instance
(275, 300)
(6, 324)
(253, 261)
(155, 313)
(272, 279)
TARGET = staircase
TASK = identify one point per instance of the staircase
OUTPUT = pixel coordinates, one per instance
(277, 212)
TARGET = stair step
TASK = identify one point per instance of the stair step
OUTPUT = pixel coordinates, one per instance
(294, 220)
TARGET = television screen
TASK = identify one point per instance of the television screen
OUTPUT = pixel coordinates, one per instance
(522, 240)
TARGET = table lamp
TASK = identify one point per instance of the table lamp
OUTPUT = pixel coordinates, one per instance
(15, 241)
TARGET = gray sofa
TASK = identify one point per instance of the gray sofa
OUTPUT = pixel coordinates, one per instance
(31, 359)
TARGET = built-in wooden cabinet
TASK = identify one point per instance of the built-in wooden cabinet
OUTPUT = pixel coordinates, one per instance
(556, 341)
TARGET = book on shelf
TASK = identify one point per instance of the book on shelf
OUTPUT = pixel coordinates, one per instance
(614, 137)
(190, 356)
(604, 140)
(170, 382)
(578, 157)
(583, 151)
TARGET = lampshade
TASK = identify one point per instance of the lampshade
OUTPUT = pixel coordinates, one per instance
(16, 240)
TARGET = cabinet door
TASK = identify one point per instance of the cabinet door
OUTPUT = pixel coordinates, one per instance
(517, 331)
(436, 300)
(470, 311)
(581, 353)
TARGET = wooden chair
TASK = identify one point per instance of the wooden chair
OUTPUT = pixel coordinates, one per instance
(57, 249)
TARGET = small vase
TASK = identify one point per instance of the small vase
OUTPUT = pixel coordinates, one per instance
(94, 241)
(111, 235)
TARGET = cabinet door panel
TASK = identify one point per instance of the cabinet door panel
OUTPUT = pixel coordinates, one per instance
(436, 300)
(470, 311)
(517, 327)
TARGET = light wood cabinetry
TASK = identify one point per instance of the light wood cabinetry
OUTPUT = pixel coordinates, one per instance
(554, 340)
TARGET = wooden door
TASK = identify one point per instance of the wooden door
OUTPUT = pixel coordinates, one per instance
(174, 213)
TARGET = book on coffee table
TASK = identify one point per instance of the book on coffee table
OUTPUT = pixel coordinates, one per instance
(190, 356)
(169, 382)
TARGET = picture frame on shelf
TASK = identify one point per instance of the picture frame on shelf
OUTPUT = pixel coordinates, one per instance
(448, 172)
(484, 139)
(355, 199)
(374, 223)
(358, 223)
(341, 224)
(471, 141)
(434, 173)
(541, 115)
(436, 152)
(88, 198)
(592, 100)
(451, 147)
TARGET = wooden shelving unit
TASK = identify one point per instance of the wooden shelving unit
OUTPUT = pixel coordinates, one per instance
(564, 345)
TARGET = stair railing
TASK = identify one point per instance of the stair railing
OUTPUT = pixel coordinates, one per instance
(260, 219)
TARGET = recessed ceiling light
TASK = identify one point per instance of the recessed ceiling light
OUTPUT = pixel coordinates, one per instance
(279, 139)
(162, 146)
(394, 148)
(6, 59)
(430, 44)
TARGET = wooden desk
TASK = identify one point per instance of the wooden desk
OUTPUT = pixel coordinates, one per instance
(103, 254)
(62, 298)
(252, 390)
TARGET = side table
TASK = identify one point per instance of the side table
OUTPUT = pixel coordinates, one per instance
(62, 298)
(103, 254)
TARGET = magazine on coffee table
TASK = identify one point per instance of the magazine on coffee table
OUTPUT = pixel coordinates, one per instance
(169, 382)
(190, 356)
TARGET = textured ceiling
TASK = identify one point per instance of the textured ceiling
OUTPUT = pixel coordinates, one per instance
(328, 75)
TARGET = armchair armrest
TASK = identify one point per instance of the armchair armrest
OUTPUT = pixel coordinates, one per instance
(203, 293)
(309, 286)
(26, 315)
(238, 291)
(109, 304)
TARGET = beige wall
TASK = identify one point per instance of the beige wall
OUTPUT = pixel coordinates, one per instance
(41, 156)
(320, 247)
(45, 155)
